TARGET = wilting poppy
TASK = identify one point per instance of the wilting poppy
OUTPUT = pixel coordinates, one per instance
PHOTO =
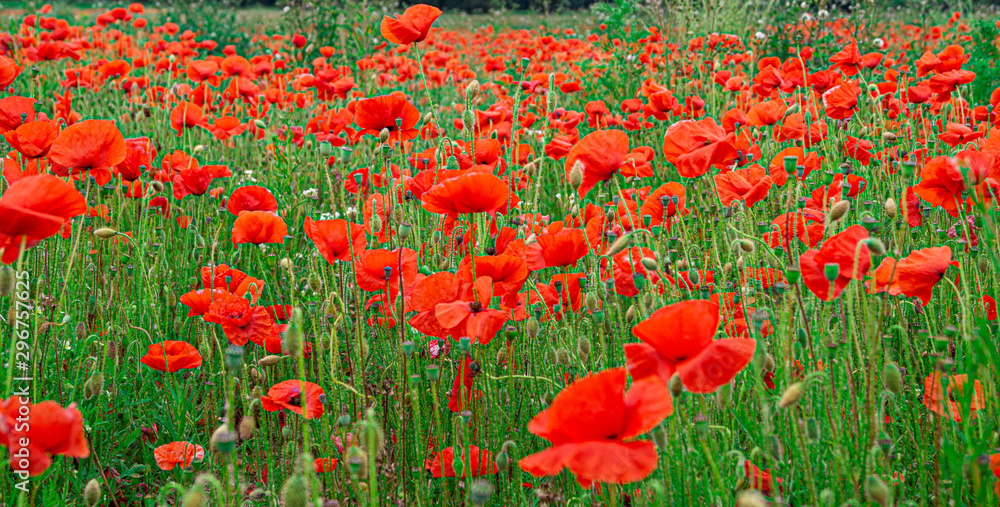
(251, 198)
(473, 192)
(592, 425)
(288, 395)
(694, 146)
(479, 462)
(378, 113)
(558, 246)
(34, 208)
(678, 338)
(171, 356)
(604, 153)
(53, 430)
(411, 26)
(952, 399)
(842, 257)
(176, 454)
(259, 227)
(90, 145)
(333, 239)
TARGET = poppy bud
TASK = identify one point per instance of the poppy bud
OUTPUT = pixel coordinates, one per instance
(269, 360)
(105, 233)
(745, 245)
(375, 223)
(620, 244)
(630, 313)
(94, 385)
(562, 357)
(480, 492)
(722, 395)
(875, 245)
(877, 490)
(234, 357)
(472, 91)
(583, 348)
(576, 174)
(791, 110)
(247, 426)
(792, 395)
(838, 210)
(285, 263)
(7, 277)
(533, 328)
(650, 264)
(775, 448)
(892, 378)
(92, 493)
(428, 117)
(294, 493)
(888, 137)
(469, 120)
(751, 498)
(812, 429)
(156, 186)
(199, 148)
(890, 208)
(983, 264)
(260, 124)
(593, 303)
(675, 385)
(372, 436)
(223, 440)
(503, 460)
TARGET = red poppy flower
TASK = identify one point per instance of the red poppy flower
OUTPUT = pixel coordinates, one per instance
(858, 149)
(90, 145)
(667, 201)
(957, 133)
(16, 111)
(844, 250)
(941, 183)
(177, 454)
(848, 59)
(472, 192)
(379, 269)
(678, 338)
(33, 139)
(201, 70)
(766, 113)
(225, 127)
(918, 273)
(333, 240)
(558, 246)
(34, 208)
(288, 395)
(840, 102)
(694, 146)
(480, 462)
(603, 153)
(251, 198)
(471, 315)
(918, 94)
(9, 70)
(462, 392)
(411, 26)
(324, 465)
(185, 115)
(171, 356)
(592, 425)
(139, 156)
(761, 480)
(378, 113)
(259, 227)
(508, 272)
(241, 322)
(196, 179)
(53, 430)
(944, 399)
(749, 185)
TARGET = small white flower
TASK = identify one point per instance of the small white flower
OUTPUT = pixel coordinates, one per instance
(286, 9)
(310, 193)
(760, 35)
(806, 17)
(822, 14)
(879, 43)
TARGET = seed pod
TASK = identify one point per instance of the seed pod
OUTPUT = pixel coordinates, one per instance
(94, 385)
(838, 210)
(294, 493)
(7, 277)
(576, 174)
(892, 378)
(792, 395)
(105, 233)
(92, 493)
(877, 490)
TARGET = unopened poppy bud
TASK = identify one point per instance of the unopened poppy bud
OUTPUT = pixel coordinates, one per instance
(199, 148)
(503, 460)
(294, 493)
(812, 429)
(775, 447)
(260, 124)
(792, 395)
(469, 120)
(892, 378)
(745, 245)
(404, 231)
(593, 303)
(888, 137)
(751, 498)
(890, 208)
(383, 135)
(533, 328)
(7, 277)
(562, 357)
(983, 264)
(875, 245)
(247, 426)
(620, 244)
(375, 223)
(630, 313)
(650, 264)
(877, 490)
(285, 263)
(791, 110)
(269, 360)
(839, 209)
(223, 440)
(105, 233)
(576, 174)
(94, 385)
(92, 493)
(156, 186)
(428, 117)
(675, 385)
(472, 91)
(480, 492)
(583, 347)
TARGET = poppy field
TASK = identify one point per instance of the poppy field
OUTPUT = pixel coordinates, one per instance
(381, 257)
